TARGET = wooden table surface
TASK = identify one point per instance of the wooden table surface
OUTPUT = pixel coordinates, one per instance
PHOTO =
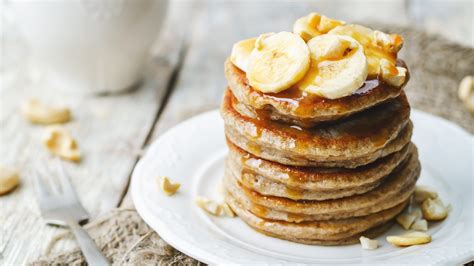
(186, 78)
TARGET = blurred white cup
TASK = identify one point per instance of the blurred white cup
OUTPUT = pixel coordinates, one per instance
(90, 46)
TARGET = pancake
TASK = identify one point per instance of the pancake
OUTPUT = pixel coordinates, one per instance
(316, 232)
(360, 140)
(313, 178)
(265, 186)
(396, 188)
(307, 110)
(371, 233)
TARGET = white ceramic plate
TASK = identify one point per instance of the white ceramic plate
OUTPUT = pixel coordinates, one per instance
(193, 152)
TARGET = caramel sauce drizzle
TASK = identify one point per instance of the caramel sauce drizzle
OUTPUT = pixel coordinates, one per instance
(374, 124)
(303, 103)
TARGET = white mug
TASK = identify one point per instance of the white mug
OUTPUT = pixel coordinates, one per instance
(92, 46)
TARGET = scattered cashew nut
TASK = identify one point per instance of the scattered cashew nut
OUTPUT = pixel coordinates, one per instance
(466, 92)
(9, 180)
(423, 192)
(434, 210)
(420, 225)
(209, 206)
(227, 210)
(214, 208)
(39, 113)
(368, 243)
(409, 239)
(58, 141)
(168, 187)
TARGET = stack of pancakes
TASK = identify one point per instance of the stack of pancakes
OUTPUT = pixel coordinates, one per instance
(315, 170)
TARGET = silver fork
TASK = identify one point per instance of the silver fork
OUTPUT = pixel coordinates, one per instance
(60, 205)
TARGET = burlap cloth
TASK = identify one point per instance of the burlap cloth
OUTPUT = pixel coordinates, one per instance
(436, 66)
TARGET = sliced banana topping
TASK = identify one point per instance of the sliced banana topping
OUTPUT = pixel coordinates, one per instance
(392, 74)
(241, 53)
(338, 66)
(377, 45)
(277, 62)
(409, 239)
(314, 25)
(434, 210)
(58, 141)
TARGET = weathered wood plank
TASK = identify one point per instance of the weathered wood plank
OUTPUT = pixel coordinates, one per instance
(110, 130)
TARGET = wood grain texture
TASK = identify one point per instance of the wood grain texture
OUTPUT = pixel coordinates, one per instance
(110, 130)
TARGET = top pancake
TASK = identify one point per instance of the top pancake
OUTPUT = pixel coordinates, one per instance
(296, 107)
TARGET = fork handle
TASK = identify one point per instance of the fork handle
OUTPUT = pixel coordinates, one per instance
(89, 248)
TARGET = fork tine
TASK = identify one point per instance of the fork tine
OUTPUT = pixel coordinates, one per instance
(46, 173)
(64, 178)
(39, 186)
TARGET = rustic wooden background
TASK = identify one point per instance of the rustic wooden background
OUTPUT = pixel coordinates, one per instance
(185, 79)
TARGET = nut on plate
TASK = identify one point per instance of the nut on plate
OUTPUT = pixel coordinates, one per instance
(209, 206)
(58, 141)
(423, 192)
(420, 225)
(214, 208)
(466, 92)
(409, 239)
(406, 220)
(167, 186)
(434, 210)
(9, 179)
(227, 210)
(40, 113)
(368, 243)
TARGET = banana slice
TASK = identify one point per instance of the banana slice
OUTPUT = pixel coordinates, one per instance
(314, 25)
(377, 45)
(241, 53)
(338, 66)
(278, 61)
